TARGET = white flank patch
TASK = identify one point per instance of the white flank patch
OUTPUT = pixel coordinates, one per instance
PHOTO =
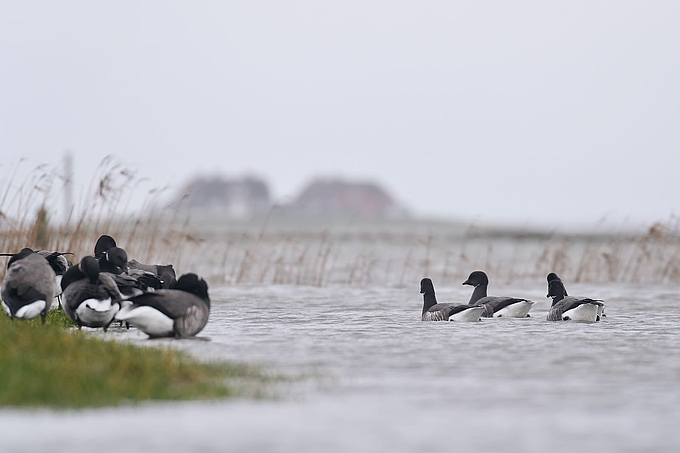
(95, 318)
(31, 310)
(7, 310)
(517, 310)
(148, 320)
(582, 313)
(56, 303)
(470, 315)
(58, 280)
(98, 305)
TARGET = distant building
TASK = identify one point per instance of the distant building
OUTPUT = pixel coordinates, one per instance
(239, 198)
(337, 197)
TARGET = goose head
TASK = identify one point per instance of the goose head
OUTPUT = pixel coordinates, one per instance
(477, 278)
(193, 284)
(104, 243)
(552, 276)
(89, 266)
(426, 286)
(116, 259)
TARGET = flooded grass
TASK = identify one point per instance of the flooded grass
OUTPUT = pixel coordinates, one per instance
(47, 365)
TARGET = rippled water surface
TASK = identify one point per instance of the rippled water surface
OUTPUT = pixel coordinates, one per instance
(378, 379)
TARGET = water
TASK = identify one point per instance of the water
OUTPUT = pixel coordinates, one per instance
(378, 379)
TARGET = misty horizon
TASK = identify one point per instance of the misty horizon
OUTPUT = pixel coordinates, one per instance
(525, 113)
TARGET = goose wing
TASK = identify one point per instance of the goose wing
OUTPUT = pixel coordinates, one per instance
(30, 279)
(128, 285)
(171, 302)
(57, 261)
(17, 294)
(442, 312)
(569, 303)
(496, 303)
(164, 273)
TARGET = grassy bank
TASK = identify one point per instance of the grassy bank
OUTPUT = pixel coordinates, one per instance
(51, 366)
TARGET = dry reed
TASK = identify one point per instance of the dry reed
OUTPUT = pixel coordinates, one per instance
(298, 252)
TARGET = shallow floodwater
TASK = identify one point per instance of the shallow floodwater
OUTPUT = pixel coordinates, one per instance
(379, 379)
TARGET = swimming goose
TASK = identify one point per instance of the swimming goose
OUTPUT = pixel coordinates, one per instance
(496, 306)
(91, 297)
(570, 308)
(432, 311)
(553, 276)
(178, 312)
(29, 286)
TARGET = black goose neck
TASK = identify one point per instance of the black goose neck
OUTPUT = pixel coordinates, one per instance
(556, 290)
(429, 300)
(478, 293)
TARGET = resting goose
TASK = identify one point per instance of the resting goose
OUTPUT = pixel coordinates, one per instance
(178, 312)
(131, 282)
(570, 308)
(496, 306)
(164, 275)
(91, 297)
(29, 286)
(57, 262)
(59, 265)
(164, 272)
(432, 311)
(113, 261)
(104, 243)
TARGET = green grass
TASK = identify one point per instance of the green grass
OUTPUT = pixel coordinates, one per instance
(47, 365)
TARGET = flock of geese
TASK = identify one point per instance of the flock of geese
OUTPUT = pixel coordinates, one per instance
(104, 288)
(107, 287)
(563, 308)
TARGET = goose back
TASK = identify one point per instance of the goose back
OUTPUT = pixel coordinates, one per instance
(29, 287)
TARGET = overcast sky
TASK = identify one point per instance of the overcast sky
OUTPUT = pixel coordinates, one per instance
(522, 111)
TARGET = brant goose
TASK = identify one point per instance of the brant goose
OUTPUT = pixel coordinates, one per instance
(59, 265)
(165, 274)
(131, 282)
(432, 311)
(495, 306)
(104, 243)
(570, 308)
(29, 286)
(179, 312)
(91, 297)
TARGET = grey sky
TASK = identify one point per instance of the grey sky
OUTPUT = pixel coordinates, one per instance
(523, 111)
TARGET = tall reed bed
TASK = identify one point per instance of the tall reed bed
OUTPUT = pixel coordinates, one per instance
(28, 215)
(381, 258)
(285, 251)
